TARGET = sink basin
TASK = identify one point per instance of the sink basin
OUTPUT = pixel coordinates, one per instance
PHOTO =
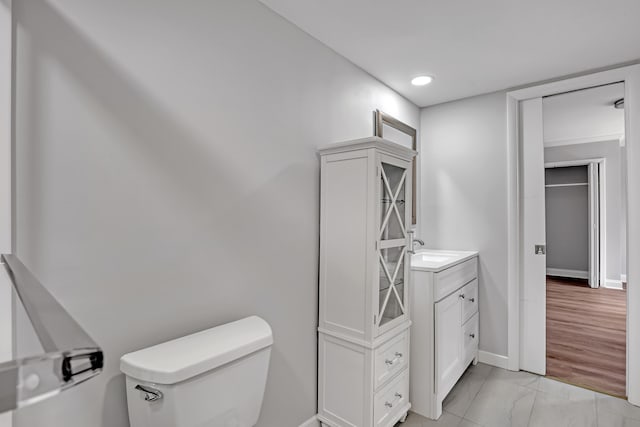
(434, 258)
(437, 260)
(431, 257)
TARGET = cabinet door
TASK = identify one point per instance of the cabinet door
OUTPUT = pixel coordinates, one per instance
(448, 343)
(394, 213)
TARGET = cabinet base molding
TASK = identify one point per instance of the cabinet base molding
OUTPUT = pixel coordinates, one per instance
(320, 421)
(493, 359)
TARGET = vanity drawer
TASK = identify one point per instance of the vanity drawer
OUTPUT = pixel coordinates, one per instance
(470, 338)
(469, 300)
(391, 401)
(391, 358)
(453, 278)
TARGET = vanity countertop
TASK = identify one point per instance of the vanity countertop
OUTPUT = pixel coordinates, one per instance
(437, 260)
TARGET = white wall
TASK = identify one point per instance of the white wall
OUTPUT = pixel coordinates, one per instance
(5, 125)
(567, 220)
(464, 197)
(6, 339)
(584, 115)
(167, 179)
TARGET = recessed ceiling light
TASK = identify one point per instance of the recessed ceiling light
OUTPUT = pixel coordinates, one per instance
(421, 80)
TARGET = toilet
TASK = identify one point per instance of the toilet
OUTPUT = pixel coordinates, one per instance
(213, 378)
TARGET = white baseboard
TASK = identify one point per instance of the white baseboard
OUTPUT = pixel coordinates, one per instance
(612, 284)
(311, 422)
(623, 277)
(562, 272)
(493, 359)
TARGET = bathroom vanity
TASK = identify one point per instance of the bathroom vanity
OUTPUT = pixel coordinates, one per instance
(365, 236)
(444, 330)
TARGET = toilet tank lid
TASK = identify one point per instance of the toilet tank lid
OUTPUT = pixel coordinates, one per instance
(186, 357)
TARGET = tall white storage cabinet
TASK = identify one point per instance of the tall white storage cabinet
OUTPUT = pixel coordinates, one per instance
(363, 340)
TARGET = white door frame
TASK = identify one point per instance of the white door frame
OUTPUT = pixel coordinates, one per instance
(6, 70)
(630, 75)
(594, 225)
(602, 162)
(6, 121)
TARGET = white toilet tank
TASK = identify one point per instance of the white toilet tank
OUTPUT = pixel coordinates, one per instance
(213, 378)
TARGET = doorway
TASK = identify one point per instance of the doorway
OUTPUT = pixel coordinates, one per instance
(585, 225)
(576, 218)
(586, 335)
(527, 268)
(586, 313)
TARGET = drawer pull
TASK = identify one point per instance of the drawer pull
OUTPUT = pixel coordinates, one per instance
(472, 335)
(461, 296)
(390, 404)
(472, 300)
(391, 362)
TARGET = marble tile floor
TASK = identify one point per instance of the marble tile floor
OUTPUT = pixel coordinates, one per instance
(492, 397)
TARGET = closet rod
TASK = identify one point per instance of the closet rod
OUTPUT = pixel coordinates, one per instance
(575, 184)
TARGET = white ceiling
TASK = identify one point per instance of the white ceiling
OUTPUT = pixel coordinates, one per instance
(470, 47)
(583, 116)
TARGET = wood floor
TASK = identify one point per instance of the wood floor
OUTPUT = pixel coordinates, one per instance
(586, 335)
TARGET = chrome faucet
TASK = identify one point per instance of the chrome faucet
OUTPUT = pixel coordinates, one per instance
(418, 241)
(413, 241)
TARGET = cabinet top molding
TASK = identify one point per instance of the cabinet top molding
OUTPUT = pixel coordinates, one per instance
(368, 142)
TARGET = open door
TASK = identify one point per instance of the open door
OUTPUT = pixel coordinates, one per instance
(533, 299)
(594, 225)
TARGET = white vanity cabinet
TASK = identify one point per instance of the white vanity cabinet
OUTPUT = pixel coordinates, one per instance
(448, 336)
(444, 310)
(363, 325)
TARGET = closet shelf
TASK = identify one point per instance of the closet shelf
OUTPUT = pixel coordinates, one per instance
(574, 184)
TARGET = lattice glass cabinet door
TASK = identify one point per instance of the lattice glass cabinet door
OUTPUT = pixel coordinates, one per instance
(394, 221)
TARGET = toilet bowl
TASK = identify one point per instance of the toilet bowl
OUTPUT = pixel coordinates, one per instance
(213, 378)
